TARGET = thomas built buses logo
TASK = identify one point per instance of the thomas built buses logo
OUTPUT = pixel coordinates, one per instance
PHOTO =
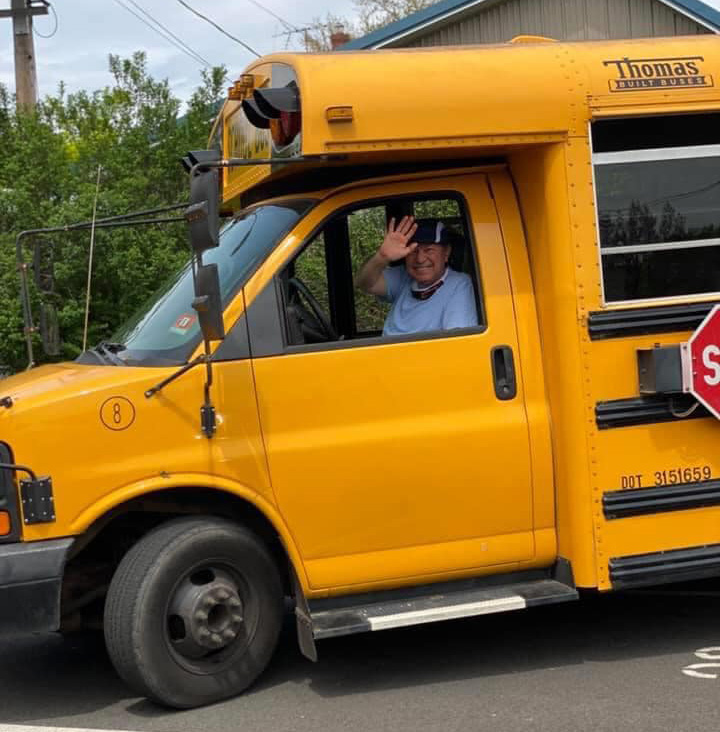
(636, 74)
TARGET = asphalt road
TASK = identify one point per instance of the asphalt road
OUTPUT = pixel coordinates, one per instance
(613, 662)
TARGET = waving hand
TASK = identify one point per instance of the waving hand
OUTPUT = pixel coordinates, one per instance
(395, 245)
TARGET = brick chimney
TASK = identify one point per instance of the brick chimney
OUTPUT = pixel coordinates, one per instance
(338, 37)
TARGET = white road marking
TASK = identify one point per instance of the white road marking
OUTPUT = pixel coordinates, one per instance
(31, 728)
(692, 670)
(709, 654)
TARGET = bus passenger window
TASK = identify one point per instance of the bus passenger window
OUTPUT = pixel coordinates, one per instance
(658, 208)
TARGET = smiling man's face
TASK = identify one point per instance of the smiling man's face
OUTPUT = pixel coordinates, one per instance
(427, 263)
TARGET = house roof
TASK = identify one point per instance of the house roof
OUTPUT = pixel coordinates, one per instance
(695, 9)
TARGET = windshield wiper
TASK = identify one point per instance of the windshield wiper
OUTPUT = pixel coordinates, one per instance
(112, 347)
(105, 352)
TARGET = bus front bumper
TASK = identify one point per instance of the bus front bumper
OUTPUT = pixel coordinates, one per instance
(30, 583)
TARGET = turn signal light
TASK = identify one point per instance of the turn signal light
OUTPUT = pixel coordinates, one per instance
(5, 526)
(242, 87)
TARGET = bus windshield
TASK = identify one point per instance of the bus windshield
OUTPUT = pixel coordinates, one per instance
(166, 330)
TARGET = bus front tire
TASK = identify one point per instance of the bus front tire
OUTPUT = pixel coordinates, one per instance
(194, 612)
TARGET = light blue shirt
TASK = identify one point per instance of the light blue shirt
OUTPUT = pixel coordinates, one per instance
(450, 306)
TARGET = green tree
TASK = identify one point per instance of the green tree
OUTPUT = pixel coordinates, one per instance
(132, 132)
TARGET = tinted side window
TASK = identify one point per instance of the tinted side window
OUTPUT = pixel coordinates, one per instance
(330, 262)
(311, 268)
(659, 221)
(366, 229)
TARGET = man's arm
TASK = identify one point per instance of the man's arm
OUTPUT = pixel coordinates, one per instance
(370, 278)
(395, 246)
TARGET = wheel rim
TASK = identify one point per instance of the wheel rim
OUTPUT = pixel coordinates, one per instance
(211, 617)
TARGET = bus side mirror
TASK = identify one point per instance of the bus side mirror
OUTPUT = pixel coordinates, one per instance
(44, 275)
(49, 329)
(44, 266)
(208, 302)
(202, 215)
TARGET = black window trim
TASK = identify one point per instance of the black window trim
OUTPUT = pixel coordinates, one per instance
(456, 195)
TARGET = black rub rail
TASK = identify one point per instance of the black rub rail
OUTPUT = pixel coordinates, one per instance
(644, 321)
(676, 565)
(647, 501)
(647, 410)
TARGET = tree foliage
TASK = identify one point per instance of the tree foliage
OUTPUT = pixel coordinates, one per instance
(132, 131)
(371, 15)
(374, 14)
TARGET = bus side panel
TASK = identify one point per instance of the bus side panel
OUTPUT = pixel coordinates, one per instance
(542, 184)
(654, 453)
(530, 355)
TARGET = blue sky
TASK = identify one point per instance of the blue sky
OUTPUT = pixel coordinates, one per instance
(88, 30)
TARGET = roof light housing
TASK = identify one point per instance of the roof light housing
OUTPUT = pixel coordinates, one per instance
(276, 109)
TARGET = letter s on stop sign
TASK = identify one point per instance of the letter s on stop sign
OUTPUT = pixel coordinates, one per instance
(714, 366)
(704, 355)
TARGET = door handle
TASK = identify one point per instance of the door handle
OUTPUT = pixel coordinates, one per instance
(503, 368)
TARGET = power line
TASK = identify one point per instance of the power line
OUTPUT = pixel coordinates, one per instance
(289, 26)
(186, 50)
(160, 33)
(169, 32)
(54, 30)
(220, 28)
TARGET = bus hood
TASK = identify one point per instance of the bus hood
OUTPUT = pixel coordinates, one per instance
(45, 383)
(45, 389)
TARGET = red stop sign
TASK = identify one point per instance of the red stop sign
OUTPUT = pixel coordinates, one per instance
(703, 369)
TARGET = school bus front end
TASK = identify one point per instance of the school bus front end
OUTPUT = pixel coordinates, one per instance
(300, 447)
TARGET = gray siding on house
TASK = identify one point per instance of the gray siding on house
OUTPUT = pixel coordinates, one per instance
(574, 20)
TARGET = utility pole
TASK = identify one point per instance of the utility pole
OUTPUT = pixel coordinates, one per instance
(22, 12)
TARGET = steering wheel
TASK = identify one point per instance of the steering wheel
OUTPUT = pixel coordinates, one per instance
(315, 324)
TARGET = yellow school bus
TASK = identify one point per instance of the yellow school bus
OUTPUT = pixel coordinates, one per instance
(259, 434)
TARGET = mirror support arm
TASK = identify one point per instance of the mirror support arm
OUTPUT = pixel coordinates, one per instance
(208, 422)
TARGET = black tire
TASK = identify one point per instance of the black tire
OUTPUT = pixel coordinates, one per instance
(175, 593)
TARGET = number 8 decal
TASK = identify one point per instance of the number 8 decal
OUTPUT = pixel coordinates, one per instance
(117, 413)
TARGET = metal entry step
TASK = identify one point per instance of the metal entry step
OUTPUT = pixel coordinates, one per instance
(431, 608)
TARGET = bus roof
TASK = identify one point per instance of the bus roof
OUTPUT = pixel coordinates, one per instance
(449, 101)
